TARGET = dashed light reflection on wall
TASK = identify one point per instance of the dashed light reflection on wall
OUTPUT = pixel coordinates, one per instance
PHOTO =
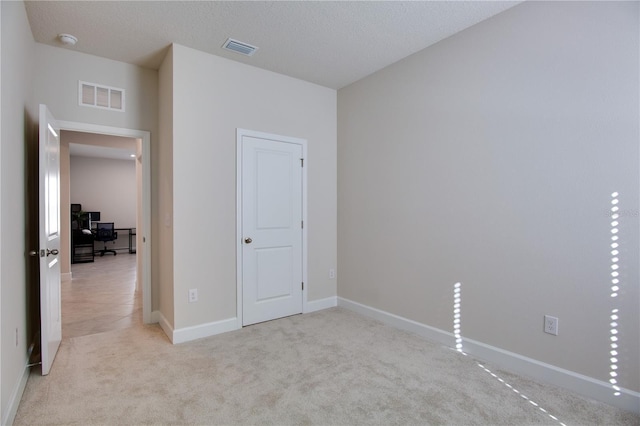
(456, 316)
(615, 288)
(457, 320)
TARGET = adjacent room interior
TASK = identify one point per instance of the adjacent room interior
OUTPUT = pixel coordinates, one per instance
(100, 179)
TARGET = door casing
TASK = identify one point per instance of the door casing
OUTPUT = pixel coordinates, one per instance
(240, 134)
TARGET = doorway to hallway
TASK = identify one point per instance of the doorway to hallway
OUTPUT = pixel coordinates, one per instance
(101, 182)
(142, 242)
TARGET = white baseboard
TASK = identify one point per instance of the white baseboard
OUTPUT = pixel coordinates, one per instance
(16, 396)
(320, 304)
(583, 385)
(66, 276)
(187, 334)
(434, 334)
(157, 317)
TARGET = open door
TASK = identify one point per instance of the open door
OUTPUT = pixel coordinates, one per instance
(49, 238)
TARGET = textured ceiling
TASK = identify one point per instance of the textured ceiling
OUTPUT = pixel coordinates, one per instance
(328, 43)
(83, 144)
(82, 150)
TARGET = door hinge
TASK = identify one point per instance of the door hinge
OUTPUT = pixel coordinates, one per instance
(302, 162)
(302, 285)
(302, 224)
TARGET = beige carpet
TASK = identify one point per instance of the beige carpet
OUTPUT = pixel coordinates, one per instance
(332, 367)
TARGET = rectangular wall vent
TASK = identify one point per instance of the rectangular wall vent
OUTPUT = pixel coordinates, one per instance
(100, 96)
(239, 47)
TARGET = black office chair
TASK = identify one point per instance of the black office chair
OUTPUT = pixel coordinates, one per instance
(105, 233)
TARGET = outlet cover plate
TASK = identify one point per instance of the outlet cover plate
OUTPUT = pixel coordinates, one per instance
(551, 325)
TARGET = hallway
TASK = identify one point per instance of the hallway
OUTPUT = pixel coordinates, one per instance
(101, 296)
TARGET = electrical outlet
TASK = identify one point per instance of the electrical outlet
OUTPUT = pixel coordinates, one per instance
(193, 295)
(332, 274)
(551, 325)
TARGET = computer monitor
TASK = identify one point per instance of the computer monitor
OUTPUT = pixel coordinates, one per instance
(93, 217)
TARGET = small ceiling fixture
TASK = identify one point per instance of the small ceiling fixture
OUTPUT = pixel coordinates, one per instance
(67, 39)
(239, 47)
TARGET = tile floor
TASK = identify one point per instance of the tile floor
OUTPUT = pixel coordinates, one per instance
(101, 296)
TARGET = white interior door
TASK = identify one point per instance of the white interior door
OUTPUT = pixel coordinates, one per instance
(49, 235)
(271, 228)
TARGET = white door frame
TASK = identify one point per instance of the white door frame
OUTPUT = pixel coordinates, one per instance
(144, 238)
(240, 133)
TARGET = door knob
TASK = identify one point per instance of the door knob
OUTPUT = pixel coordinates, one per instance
(53, 252)
(34, 253)
(248, 240)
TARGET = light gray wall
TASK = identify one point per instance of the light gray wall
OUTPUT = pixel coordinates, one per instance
(490, 159)
(213, 96)
(163, 229)
(18, 114)
(105, 185)
(56, 84)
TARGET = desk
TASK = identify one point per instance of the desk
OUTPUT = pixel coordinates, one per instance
(81, 247)
(132, 234)
(132, 240)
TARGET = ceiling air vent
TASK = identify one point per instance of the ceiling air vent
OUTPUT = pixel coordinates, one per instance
(239, 47)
